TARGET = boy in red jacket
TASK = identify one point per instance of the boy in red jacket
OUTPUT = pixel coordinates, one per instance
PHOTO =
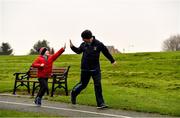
(44, 64)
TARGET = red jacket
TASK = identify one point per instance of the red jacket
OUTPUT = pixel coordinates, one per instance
(45, 72)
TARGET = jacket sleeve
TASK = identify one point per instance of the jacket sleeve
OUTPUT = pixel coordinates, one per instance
(107, 53)
(77, 50)
(36, 63)
(57, 54)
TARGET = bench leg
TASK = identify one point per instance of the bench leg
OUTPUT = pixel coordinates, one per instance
(14, 90)
(47, 91)
(28, 87)
(33, 88)
(52, 91)
(66, 88)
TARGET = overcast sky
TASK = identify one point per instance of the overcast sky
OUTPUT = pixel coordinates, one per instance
(129, 25)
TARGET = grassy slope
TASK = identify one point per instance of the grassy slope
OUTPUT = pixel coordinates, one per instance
(15, 113)
(148, 82)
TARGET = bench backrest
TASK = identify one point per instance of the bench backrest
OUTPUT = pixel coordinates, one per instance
(32, 73)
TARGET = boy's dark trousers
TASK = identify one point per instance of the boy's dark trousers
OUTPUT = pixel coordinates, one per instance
(43, 86)
(85, 77)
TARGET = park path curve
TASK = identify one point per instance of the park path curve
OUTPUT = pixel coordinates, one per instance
(25, 104)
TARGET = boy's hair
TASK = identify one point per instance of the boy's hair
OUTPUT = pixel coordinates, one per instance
(87, 34)
(42, 50)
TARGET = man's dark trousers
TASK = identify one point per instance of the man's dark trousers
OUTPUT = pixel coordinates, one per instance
(85, 77)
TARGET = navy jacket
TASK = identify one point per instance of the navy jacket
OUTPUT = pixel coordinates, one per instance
(91, 54)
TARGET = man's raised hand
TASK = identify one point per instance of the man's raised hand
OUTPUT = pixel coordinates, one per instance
(71, 45)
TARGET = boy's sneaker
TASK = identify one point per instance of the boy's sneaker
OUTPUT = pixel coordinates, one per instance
(73, 98)
(102, 106)
(37, 101)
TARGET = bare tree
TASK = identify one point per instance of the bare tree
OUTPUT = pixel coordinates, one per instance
(172, 43)
(38, 45)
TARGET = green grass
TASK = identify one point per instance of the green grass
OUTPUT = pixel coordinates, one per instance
(13, 113)
(147, 82)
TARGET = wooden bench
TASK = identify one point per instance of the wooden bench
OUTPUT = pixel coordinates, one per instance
(58, 79)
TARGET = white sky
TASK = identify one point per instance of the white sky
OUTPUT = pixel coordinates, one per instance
(133, 25)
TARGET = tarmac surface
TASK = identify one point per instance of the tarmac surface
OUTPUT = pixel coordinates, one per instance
(25, 104)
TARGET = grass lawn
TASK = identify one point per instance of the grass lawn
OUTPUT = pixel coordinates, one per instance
(13, 113)
(147, 82)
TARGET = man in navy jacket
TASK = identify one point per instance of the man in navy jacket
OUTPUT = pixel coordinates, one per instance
(90, 66)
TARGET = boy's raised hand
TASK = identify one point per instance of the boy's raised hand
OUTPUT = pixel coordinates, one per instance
(64, 46)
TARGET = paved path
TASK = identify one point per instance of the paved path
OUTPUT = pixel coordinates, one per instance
(24, 103)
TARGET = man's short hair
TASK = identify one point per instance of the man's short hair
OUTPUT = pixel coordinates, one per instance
(87, 34)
